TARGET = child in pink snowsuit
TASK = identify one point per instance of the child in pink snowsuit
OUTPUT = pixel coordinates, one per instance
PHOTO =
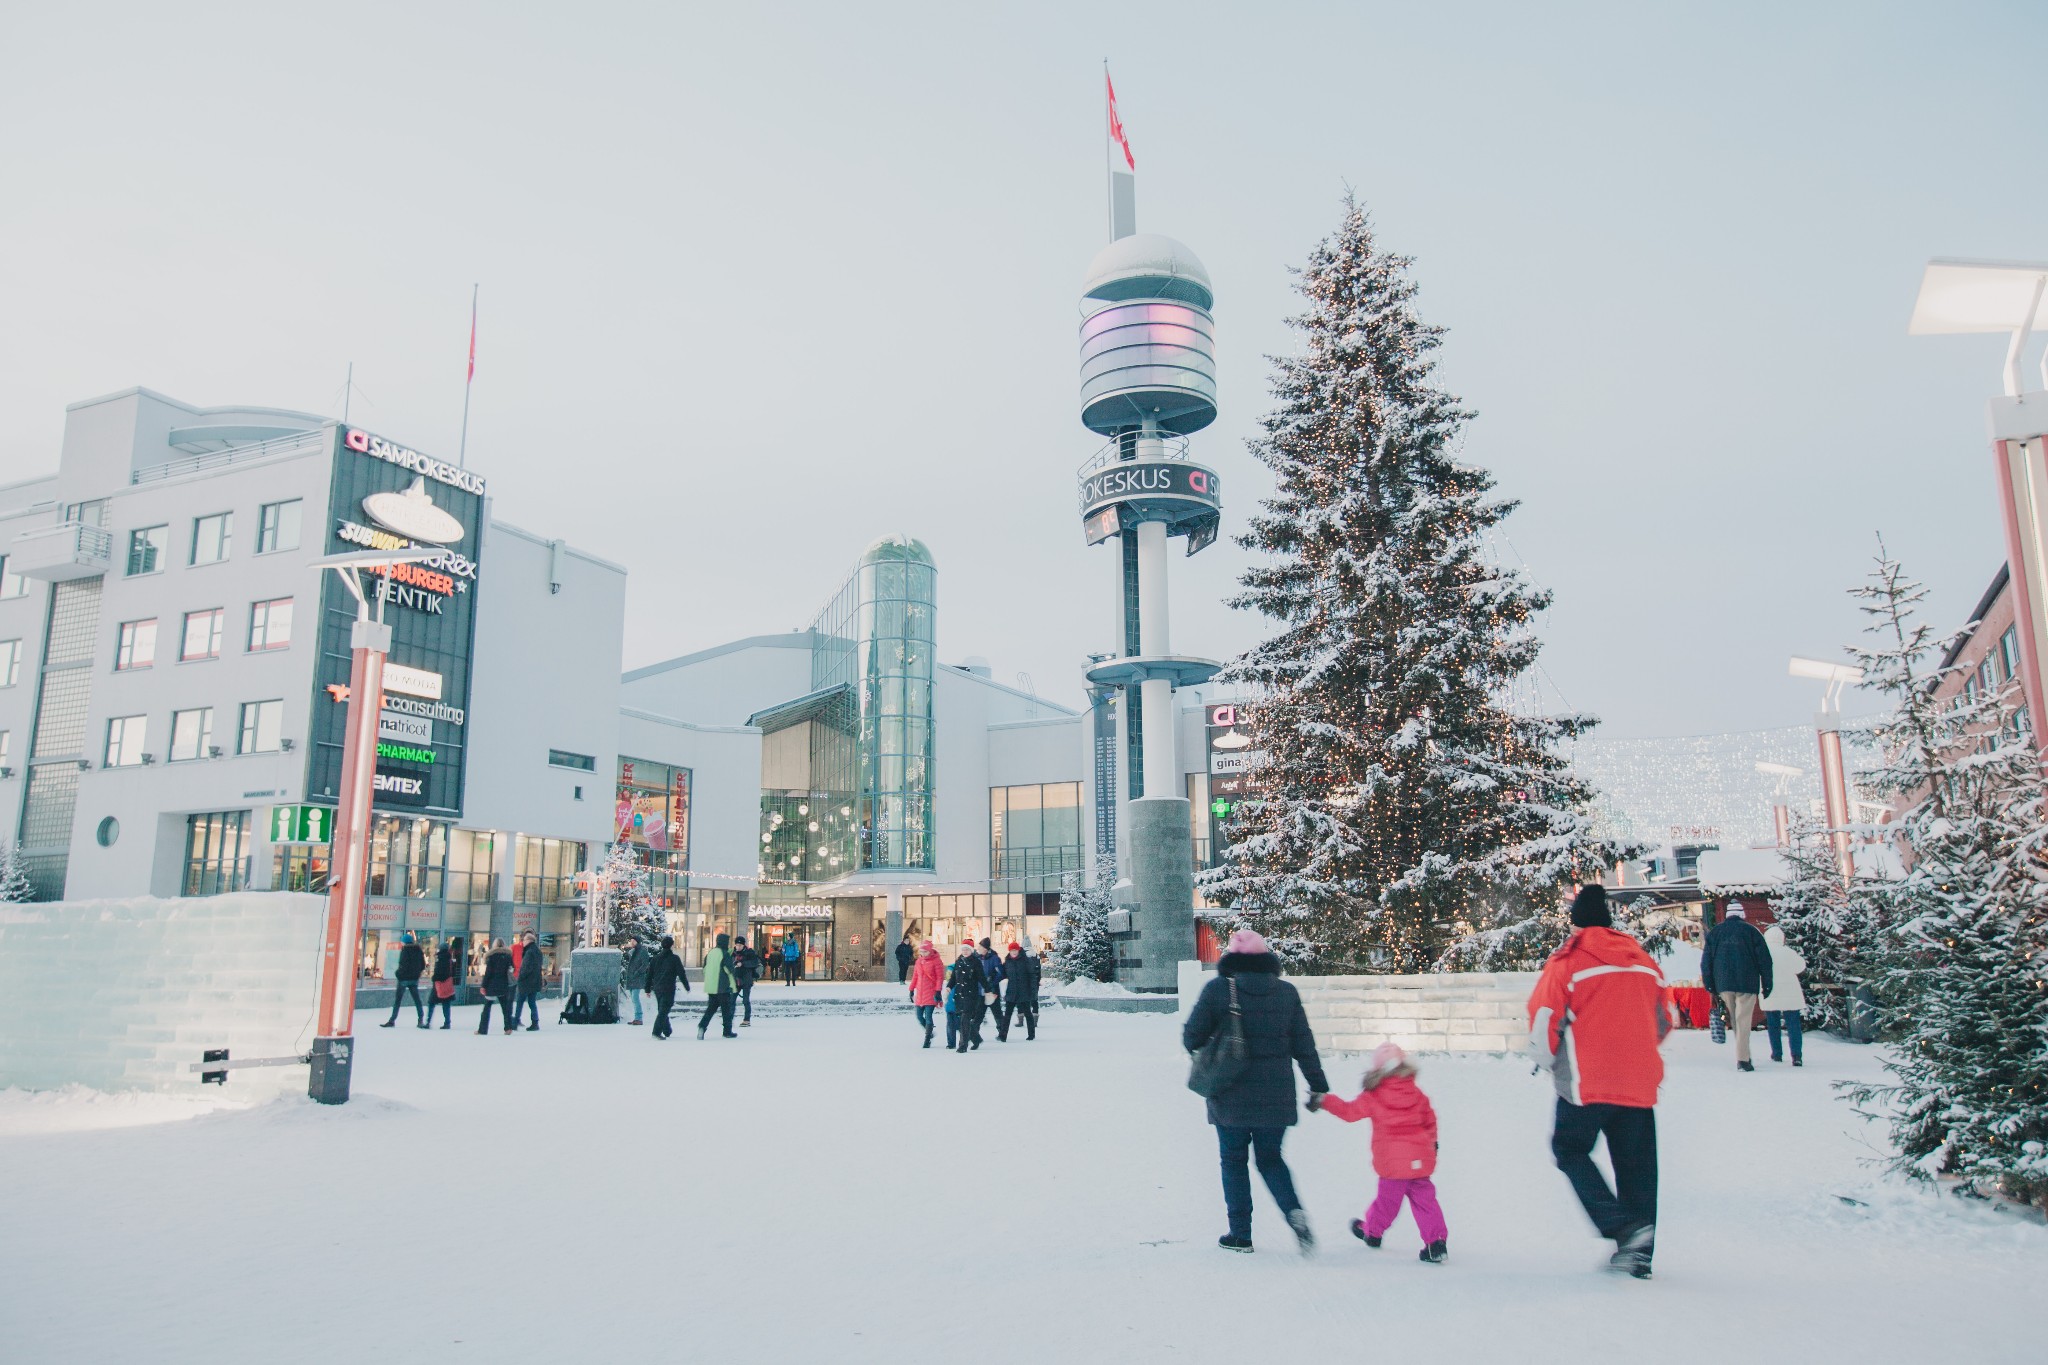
(1403, 1150)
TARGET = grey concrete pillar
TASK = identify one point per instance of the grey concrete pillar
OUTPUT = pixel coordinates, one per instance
(739, 922)
(892, 920)
(1162, 932)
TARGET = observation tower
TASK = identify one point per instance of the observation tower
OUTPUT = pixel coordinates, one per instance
(1148, 381)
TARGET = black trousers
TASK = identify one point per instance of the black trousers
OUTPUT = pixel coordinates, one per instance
(1632, 1149)
(418, 1009)
(664, 1001)
(446, 1004)
(902, 972)
(789, 971)
(1028, 1009)
(747, 1000)
(717, 1004)
(969, 1015)
(503, 1002)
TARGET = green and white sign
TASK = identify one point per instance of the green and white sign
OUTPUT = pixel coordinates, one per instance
(301, 824)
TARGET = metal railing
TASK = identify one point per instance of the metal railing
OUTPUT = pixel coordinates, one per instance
(298, 443)
(1168, 448)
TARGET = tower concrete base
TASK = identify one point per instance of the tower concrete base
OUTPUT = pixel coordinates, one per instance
(1162, 865)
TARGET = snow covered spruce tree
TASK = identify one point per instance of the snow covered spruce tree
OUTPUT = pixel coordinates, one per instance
(15, 885)
(1081, 945)
(1964, 972)
(1835, 927)
(1404, 805)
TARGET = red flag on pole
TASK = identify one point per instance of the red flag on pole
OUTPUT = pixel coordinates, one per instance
(1116, 125)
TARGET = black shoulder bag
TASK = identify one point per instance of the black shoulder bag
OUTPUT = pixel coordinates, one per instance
(1222, 1059)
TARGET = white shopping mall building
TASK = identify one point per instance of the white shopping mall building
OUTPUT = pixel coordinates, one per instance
(173, 677)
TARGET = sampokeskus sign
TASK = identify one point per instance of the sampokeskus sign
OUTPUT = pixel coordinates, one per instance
(363, 443)
(1145, 480)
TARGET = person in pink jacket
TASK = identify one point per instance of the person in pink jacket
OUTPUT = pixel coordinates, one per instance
(1403, 1150)
(927, 985)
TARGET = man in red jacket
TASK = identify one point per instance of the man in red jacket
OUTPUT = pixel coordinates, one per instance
(1597, 1017)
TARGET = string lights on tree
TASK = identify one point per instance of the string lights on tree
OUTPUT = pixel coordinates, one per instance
(1405, 805)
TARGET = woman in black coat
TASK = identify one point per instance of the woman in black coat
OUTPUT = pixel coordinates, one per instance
(497, 985)
(1253, 1113)
(664, 974)
(444, 971)
(967, 981)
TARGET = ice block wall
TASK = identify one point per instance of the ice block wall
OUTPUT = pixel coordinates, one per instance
(122, 994)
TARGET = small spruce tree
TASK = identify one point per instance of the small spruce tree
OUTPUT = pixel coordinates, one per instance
(621, 890)
(1081, 946)
(1963, 971)
(1835, 927)
(15, 885)
(1404, 802)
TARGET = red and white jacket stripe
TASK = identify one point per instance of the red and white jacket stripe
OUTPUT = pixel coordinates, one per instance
(1597, 1017)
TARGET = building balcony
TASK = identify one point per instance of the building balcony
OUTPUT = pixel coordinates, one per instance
(56, 554)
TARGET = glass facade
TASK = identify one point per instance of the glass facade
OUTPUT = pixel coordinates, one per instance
(652, 817)
(59, 742)
(1028, 918)
(216, 853)
(1034, 835)
(847, 771)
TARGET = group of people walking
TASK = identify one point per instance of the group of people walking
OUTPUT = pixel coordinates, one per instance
(511, 980)
(1597, 1020)
(978, 983)
(1745, 971)
(729, 973)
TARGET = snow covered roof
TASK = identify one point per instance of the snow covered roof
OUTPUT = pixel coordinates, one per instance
(1744, 871)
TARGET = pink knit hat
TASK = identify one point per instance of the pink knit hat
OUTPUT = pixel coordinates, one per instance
(1388, 1057)
(1246, 941)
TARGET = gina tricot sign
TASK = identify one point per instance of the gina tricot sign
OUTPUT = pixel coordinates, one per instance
(1140, 479)
(364, 443)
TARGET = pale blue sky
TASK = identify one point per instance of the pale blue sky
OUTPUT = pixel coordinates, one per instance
(761, 283)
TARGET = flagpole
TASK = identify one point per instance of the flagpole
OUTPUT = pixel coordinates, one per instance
(462, 450)
(1108, 162)
(347, 390)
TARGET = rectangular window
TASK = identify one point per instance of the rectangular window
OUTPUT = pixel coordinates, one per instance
(1987, 679)
(12, 584)
(270, 624)
(6, 749)
(262, 727)
(562, 758)
(137, 646)
(202, 635)
(212, 537)
(147, 547)
(191, 734)
(216, 853)
(10, 662)
(277, 527)
(2009, 652)
(124, 740)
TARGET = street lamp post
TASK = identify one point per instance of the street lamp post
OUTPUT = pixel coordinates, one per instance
(1958, 296)
(349, 854)
(1834, 776)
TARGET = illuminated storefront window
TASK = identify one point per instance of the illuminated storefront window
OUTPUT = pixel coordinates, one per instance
(651, 816)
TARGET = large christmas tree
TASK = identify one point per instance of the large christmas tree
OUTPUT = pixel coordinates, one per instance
(1404, 806)
(1964, 978)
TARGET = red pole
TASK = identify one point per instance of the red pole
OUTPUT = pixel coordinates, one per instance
(349, 866)
(1834, 790)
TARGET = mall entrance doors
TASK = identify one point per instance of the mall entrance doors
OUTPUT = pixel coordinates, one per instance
(813, 940)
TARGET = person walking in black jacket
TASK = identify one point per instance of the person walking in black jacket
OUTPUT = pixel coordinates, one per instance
(664, 974)
(444, 988)
(411, 962)
(497, 985)
(967, 982)
(905, 955)
(528, 998)
(1253, 1113)
(1020, 993)
(746, 970)
(1735, 966)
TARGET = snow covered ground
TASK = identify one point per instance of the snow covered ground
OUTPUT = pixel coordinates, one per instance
(824, 1190)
